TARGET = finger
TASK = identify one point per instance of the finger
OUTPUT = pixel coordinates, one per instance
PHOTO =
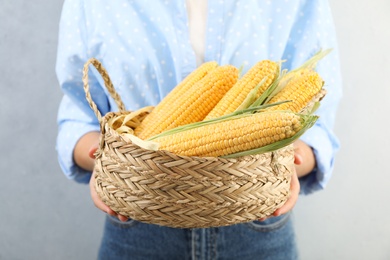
(110, 212)
(122, 218)
(92, 151)
(290, 203)
(298, 159)
(100, 204)
(95, 197)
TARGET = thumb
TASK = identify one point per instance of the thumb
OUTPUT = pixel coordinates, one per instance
(298, 159)
(92, 151)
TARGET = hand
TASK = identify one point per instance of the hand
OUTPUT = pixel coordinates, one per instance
(292, 200)
(305, 160)
(294, 184)
(95, 197)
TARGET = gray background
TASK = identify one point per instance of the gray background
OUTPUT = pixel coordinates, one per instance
(45, 216)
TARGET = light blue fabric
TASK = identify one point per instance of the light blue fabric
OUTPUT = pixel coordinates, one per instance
(145, 47)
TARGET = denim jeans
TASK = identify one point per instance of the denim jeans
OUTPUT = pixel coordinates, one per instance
(270, 239)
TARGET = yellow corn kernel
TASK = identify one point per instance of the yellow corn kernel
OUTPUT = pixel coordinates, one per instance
(192, 105)
(237, 94)
(164, 106)
(300, 89)
(232, 136)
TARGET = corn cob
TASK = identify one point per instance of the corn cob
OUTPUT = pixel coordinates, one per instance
(233, 135)
(237, 94)
(300, 89)
(193, 103)
(164, 106)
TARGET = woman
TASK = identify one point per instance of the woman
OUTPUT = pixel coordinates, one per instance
(148, 47)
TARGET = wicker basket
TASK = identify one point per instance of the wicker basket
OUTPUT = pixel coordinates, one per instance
(162, 188)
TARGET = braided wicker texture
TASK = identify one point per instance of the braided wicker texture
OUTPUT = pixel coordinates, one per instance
(162, 188)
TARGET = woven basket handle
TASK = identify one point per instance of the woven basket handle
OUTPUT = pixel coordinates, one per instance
(107, 82)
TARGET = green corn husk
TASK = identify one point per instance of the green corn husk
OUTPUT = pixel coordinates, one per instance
(251, 97)
(273, 88)
(312, 62)
(286, 76)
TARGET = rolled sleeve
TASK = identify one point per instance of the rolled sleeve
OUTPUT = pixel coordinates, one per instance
(70, 131)
(325, 146)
